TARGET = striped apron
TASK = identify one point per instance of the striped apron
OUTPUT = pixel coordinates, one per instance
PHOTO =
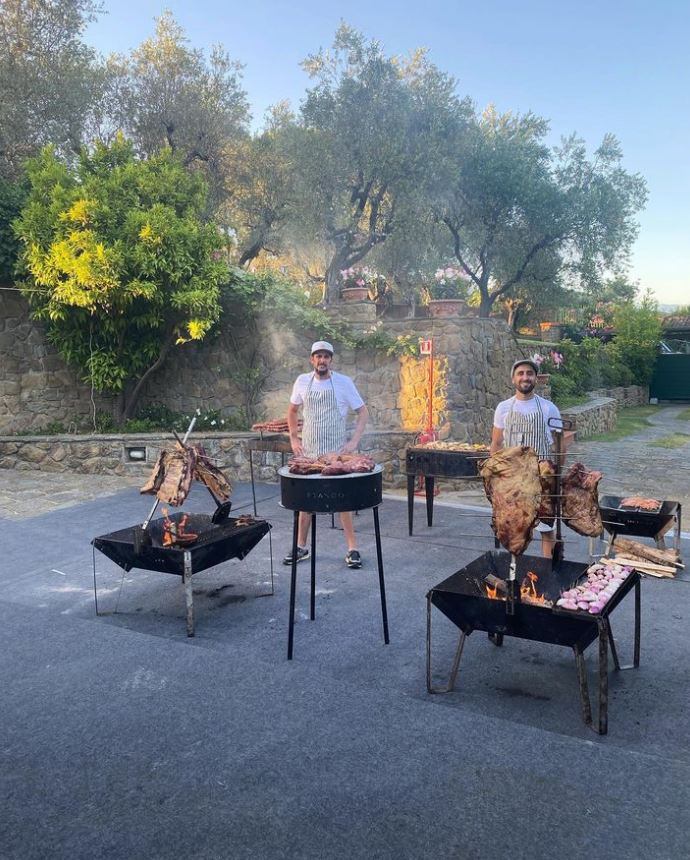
(323, 431)
(530, 430)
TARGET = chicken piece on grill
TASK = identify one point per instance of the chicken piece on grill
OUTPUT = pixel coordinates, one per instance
(513, 486)
(547, 505)
(580, 505)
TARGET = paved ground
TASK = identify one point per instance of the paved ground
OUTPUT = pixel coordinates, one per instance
(122, 738)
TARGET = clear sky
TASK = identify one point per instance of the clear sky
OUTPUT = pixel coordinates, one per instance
(589, 67)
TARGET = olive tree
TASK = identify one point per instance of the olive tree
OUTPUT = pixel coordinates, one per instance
(510, 204)
(371, 129)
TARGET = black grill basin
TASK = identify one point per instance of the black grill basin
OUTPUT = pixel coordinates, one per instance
(462, 598)
(217, 543)
(326, 494)
(635, 522)
(439, 463)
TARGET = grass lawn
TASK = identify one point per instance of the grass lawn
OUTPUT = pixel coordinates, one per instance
(684, 415)
(629, 422)
(675, 440)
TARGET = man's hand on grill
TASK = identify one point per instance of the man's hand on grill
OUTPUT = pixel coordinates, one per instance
(349, 447)
(297, 448)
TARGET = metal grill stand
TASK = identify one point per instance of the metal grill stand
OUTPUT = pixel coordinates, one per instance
(217, 542)
(331, 494)
(461, 598)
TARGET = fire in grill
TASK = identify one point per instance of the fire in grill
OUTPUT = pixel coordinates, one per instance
(478, 597)
(215, 543)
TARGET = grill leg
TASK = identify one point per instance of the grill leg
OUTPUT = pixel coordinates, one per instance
(312, 599)
(450, 686)
(410, 502)
(612, 643)
(429, 486)
(638, 600)
(382, 584)
(582, 682)
(603, 678)
(251, 475)
(189, 599)
(293, 585)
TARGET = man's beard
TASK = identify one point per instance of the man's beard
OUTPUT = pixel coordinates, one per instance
(322, 369)
(526, 387)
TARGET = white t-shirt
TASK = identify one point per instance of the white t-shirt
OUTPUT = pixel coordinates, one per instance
(526, 407)
(346, 393)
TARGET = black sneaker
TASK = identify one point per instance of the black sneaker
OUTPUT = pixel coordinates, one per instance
(353, 559)
(302, 555)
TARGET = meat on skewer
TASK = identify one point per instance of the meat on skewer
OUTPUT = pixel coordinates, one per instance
(513, 486)
(580, 504)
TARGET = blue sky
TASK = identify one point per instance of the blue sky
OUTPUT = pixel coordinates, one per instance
(592, 68)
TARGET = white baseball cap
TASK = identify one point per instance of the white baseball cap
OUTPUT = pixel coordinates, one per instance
(320, 345)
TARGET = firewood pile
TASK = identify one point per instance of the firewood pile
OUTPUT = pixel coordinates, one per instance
(647, 559)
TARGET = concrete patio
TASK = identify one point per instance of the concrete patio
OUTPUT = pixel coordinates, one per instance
(124, 738)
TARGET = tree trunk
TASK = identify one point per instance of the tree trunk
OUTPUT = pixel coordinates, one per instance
(130, 401)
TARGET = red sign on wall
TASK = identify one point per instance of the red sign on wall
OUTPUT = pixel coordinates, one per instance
(425, 346)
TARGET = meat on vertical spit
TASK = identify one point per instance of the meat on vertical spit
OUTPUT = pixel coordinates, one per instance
(174, 471)
(547, 505)
(580, 505)
(513, 486)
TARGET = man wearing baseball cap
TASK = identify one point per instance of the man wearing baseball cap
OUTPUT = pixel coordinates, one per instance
(326, 398)
(523, 420)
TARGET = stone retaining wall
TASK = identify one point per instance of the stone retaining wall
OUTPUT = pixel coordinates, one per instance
(108, 455)
(596, 416)
(631, 395)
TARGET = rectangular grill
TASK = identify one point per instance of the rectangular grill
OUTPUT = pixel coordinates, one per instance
(217, 542)
(462, 598)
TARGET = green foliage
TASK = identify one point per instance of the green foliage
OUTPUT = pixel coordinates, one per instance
(12, 196)
(638, 332)
(118, 263)
(48, 78)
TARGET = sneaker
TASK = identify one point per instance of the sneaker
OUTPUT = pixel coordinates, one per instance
(302, 555)
(353, 559)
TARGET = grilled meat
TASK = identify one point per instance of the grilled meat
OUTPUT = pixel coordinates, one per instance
(547, 505)
(513, 486)
(331, 464)
(580, 505)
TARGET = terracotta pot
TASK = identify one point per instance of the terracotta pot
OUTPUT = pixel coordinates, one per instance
(355, 294)
(543, 378)
(440, 308)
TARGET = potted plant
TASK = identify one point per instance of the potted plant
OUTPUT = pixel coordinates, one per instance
(356, 283)
(448, 292)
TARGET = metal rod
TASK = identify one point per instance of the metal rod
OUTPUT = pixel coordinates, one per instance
(312, 597)
(603, 677)
(95, 591)
(582, 683)
(293, 585)
(251, 476)
(189, 599)
(638, 597)
(456, 658)
(146, 522)
(382, 584)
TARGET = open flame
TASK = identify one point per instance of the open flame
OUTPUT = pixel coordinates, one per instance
(529, 593)
(492, 592)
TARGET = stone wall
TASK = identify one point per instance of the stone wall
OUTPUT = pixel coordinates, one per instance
(598, 415)
(473, 358)
(108, 454)
(36, 388)
(631, 395)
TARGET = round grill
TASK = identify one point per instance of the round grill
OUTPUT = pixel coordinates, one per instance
(318, 494)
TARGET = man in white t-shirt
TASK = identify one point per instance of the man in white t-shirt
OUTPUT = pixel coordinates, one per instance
(523, 420)
(325, 397)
